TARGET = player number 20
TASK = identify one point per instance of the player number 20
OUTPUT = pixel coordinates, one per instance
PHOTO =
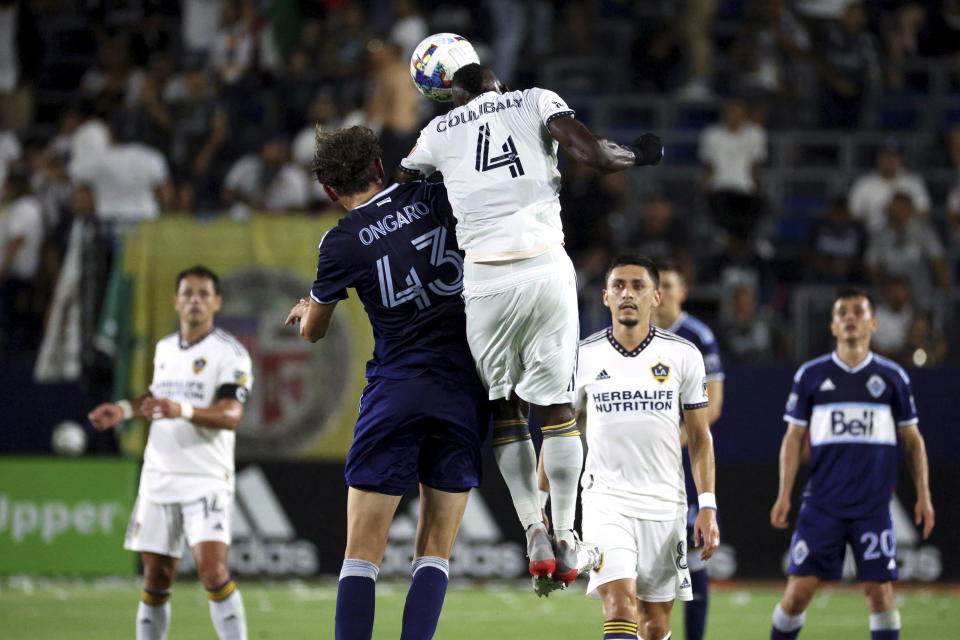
(876, 544)
(435, 241)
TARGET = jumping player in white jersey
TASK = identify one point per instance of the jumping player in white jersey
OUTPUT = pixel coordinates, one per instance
(671, 316)
(633, 382)
(497, 151)
(857, 407)
(201, 378)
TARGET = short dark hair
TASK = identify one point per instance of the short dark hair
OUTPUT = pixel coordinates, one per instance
(345, 159)
(846, 293)
(638, 260)
(669, 264)
(199, 271)
(469, 77)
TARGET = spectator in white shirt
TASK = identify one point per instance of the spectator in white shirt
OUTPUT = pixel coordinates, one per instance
(732, 152)
(130, 182)
(909, 247)
(21, 237)
(895, 315)
(231, 54)
(871, 193)
(268, 181)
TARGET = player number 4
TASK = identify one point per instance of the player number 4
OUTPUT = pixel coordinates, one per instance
(435, 241)
(509, 158)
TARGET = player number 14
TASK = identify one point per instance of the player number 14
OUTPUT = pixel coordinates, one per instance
(435, 241)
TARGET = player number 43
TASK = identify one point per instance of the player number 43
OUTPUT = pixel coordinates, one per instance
(435, 241)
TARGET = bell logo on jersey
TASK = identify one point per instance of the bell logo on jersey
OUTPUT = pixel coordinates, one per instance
(660, 372)
(859, 426)
(876, 386)
(199, 364)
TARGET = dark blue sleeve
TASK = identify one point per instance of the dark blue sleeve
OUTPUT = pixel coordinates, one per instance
(711, 358)
(798, 402)
(335, 271)
(902, 404)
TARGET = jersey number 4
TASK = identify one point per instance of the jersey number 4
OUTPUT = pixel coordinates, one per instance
(436, 242)
(510, 158)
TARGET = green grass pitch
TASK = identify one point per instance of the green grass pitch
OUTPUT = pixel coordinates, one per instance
(38, 608)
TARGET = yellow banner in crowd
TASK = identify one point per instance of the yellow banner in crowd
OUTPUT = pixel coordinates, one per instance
(305, 396)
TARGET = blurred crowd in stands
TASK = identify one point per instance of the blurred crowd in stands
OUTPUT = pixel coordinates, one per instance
(118, 112)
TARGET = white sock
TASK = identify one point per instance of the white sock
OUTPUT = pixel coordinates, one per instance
(887, 620)
(787, 623)
(563, 461)
(153, 620)
(228, 617)
(517, 462)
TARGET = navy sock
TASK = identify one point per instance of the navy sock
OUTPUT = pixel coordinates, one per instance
(885, 634)
(356, 594)
(695, 611)
(619, 629)
(776, 634)
(425, 598)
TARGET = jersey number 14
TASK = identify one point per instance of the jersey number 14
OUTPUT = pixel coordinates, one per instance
(510, 158)
(436, 241)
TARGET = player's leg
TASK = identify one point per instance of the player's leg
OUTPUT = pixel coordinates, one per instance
(619, 599)
(694, 611)
(156, 532)
(369, 515)
(884, 616)
(788, 615)
(153, 612)
(440, 516)
(653, 620)
(517, 461)
(206, 523)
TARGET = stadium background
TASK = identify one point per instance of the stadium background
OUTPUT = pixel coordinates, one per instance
(223, 88)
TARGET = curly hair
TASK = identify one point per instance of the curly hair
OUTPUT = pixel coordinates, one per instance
(344, 159)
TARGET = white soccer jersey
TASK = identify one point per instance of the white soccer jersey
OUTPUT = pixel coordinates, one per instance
(632, 402)
(182, 461)
(499, 164)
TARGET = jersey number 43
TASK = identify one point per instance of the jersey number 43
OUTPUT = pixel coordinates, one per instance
(436, 241)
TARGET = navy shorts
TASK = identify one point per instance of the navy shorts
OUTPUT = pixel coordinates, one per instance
(428, 428)
(820, 539)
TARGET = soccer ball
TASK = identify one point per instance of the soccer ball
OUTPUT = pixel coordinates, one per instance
(434, 62)
(69, 438)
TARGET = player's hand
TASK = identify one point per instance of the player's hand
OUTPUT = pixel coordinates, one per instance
(706, 533)
(299, 310)
(648, 149)
(925, 516)
(159, 408)
(105, 416)
(779, 513)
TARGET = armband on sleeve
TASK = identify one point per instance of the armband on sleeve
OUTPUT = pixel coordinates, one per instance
(232, 392)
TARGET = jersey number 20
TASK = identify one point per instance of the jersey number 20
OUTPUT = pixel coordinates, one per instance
(436, 241)
(510, 158)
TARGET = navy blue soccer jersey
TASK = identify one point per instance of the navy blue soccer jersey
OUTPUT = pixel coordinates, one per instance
(852, 415)
(689, 328)
(399, 252)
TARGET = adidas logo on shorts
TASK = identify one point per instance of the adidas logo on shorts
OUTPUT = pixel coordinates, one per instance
(685, 584)
(603, 375)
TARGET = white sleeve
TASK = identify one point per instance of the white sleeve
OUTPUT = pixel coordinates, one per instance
(420, 159)
(760, 153)
(548, 105)
(236, 368)
(693, 383)
(236, 174)
(706, 147)
(580, 392)
(859, 207)
(24, 218)
(921, 197)
(160, 172)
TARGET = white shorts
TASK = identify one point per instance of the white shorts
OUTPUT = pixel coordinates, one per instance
(651, 552)
(162, 528)
(523, 326)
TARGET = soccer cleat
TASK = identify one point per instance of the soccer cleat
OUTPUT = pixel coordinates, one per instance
(574, 557)
(540, 552)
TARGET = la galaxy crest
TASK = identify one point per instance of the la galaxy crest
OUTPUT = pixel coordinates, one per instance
(199, 364)
(660, 372)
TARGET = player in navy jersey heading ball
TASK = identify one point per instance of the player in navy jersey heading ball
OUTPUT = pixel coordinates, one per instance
(424, 412)
(857, 408)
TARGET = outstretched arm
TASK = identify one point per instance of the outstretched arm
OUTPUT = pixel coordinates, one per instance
(226, 413)
(916, 453)
(601, 154)
(109, 414)
(789, 463)
(314, 318)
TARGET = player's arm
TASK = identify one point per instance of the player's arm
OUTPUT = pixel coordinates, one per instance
(601, 154)
(226, 413)
(314, 318)
(915, 451)
(790, 449)
(706, 533)
(715, 393)
(109, 414)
